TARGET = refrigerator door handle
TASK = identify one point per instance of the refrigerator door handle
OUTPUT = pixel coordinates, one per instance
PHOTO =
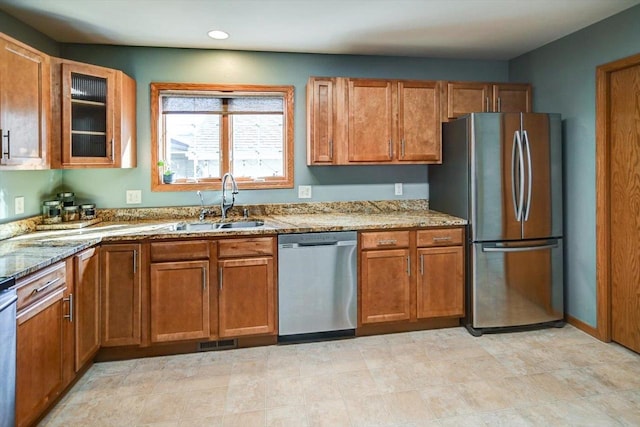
(497, 247)
(530, 174)
(517, 204)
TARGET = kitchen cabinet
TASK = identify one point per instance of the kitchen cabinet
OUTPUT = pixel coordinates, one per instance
(372, 121)
(95, 107)
(440, 278)
(322, 120)
(411, 275)
(24, 106)
(179, 291)
(120, 288)
(247, 287)
(86, 306)
(478, 97)
(41, 318)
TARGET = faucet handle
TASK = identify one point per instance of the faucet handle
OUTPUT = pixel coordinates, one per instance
(245, 213)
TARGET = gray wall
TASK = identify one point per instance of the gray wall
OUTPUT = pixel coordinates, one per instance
(148, 65)
(563, 77)
(32, 185)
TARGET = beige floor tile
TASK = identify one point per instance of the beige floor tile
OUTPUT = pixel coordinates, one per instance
(355, 384)
(285, 391)
(567, 413)
(328, 413)
(618, 376)
(162, 408)
(287, 416)
(247, 397)
(319, 388)
(408, 407)
(369, 411)
(506, 418)
(205, 404)
(483, 395)
(444, 401)
(203, 422)
(623, 406)
(393, 379)
(245, 419)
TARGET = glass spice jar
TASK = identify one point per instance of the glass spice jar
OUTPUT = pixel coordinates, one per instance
(51, 210)
(87, 211)
(67, 199)
(70, 213)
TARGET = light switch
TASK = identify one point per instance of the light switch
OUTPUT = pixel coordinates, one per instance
(304, 191)
(18, 205)
(134, 197)
(398, 189)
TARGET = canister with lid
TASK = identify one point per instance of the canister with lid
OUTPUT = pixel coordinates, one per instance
(67, 199)
(70, 213)
(87, 211)
(51, 212)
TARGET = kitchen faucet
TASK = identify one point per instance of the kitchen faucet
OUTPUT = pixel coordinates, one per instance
(234, 190)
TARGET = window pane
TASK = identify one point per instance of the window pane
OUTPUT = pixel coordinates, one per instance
(193, 145)
(258, 145)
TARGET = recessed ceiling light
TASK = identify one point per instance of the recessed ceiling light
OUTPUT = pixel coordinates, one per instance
(218, 34)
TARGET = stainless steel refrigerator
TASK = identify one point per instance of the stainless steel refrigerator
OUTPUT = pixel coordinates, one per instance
(502, 172)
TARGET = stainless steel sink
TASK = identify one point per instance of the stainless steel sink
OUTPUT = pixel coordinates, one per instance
(206, 226)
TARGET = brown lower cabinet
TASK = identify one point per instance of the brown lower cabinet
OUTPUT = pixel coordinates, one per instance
(86, 306)
(411, 275)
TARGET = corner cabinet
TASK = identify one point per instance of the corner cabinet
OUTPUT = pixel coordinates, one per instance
(478, 97)
(96, 109)
(373, 121)
(25, 116)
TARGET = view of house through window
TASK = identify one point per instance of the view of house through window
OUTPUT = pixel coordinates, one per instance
(204, 133)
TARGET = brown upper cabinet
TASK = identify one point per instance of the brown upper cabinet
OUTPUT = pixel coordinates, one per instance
(479, 97)
(24, 106)
(96, 109)
(372, 121)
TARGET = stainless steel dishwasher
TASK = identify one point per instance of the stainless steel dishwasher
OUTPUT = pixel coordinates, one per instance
(7, 352)
(317, 285)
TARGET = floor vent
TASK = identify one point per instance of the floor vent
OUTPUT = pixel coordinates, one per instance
(217, 345)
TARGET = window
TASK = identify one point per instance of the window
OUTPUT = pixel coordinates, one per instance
(202, 131)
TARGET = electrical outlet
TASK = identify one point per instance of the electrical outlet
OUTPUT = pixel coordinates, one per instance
(398, 189)
(304, 191)
(18, 205)
(134, 197)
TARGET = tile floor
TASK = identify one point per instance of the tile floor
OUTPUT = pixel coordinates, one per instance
(551, 377)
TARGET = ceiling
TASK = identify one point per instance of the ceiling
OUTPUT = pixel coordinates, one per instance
(482, 29)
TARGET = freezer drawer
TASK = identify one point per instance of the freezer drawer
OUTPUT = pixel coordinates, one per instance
(516, 283)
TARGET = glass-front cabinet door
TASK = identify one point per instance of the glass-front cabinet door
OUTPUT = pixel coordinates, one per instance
(87, 115)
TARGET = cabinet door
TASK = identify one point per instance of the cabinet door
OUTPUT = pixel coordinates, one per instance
(247, 297)
(419, 121)
(88, 101)
(440, 282)
(370, 129)
(120, 285)
(385, 286)
(512, 98)
(321, 120)
(467, 97)
(86, 306)
(40, 340)
(179, 300)
(24, 106)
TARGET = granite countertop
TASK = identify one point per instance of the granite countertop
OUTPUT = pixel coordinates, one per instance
(29, 252)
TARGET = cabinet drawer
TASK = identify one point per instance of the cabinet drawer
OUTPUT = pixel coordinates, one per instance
(245, 247)
(440, 237)
(179, 251)
(384, 239)
(35, 286)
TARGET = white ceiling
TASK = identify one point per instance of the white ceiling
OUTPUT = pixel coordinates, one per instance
(491, 29)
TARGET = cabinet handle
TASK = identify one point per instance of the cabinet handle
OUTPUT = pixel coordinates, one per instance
(45, 286)
(1, 152)
(409, 265)
(442, 239)
(135, 261)
(70, 315)
(390, 149)
(499, 105)
(486, 102)
(402, 148)
(8, 152)
(422, 264)
(220, 277)
(204, 278)
(388, 242)
(113, 150)
(331, 149)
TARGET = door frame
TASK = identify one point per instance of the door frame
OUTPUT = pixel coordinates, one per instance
(603, 199)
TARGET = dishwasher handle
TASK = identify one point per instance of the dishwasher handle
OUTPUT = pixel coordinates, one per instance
(319, 243)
